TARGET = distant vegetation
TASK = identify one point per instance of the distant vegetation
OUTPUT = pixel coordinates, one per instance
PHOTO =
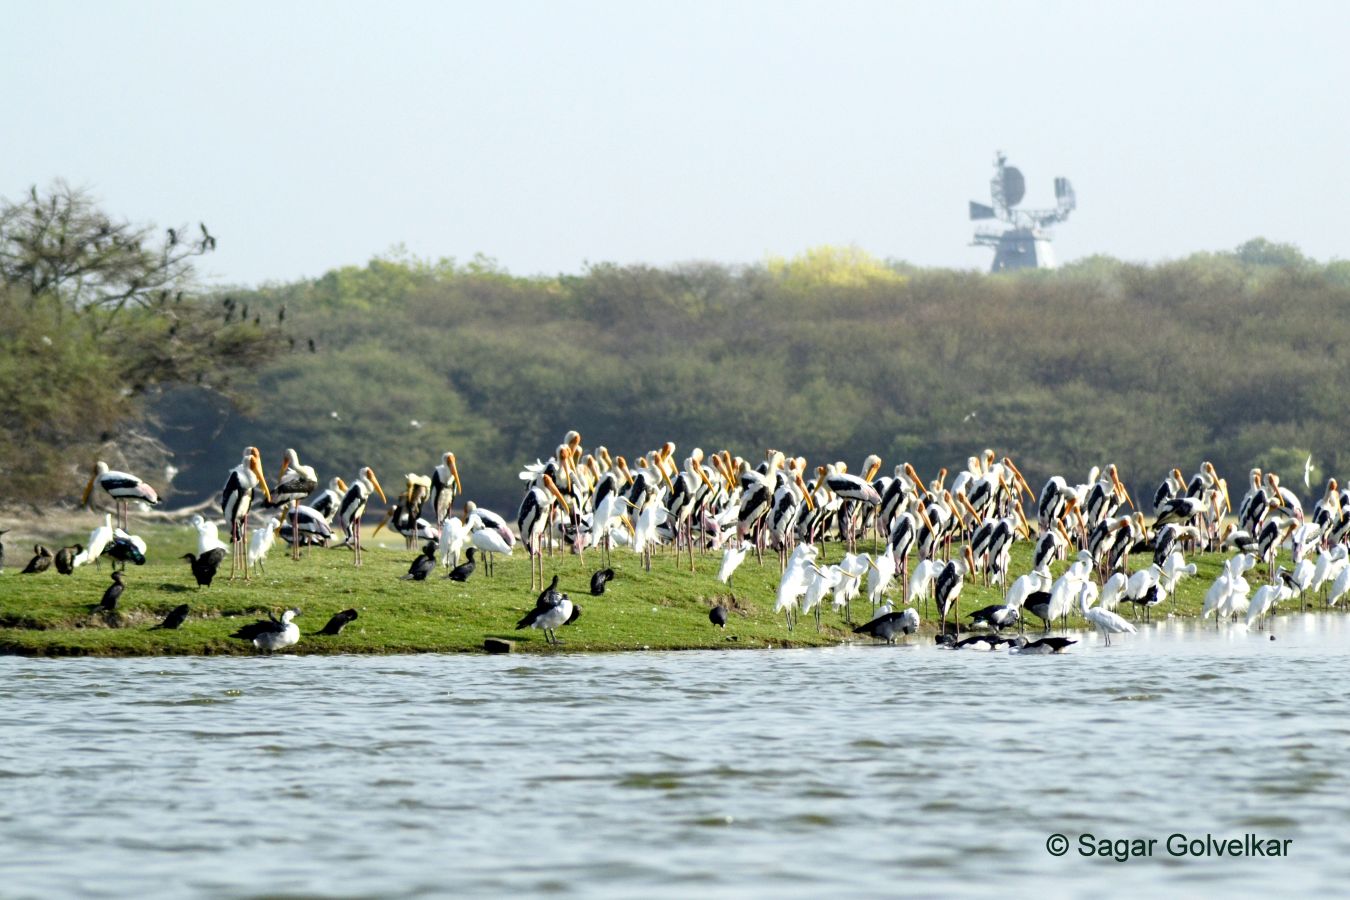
(98, 317)
(1234, 357)
(107, 348)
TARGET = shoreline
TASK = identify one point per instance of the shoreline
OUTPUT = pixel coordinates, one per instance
(49, 615)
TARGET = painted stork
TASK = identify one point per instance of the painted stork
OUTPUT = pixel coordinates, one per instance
(294, 483)
(353, 505)
(121, 487)
(309, 527)
(533, 518)
(445, 485)
(329, 499)
(947, 589)
(236, 500)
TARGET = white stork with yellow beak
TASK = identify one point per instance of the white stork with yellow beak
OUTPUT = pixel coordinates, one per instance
(353, 505)
(445, 485)
(121, 487)
(236, 499)
(294, 483)
(533, 519)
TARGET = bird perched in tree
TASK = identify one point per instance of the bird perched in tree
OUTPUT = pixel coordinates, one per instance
(41, 561)
(204, 567)
(176, 617)
(462, 571)
(65, 558)
(424, 565)
(111, 595)
(599, 580)
(339, 621)
(718, 616)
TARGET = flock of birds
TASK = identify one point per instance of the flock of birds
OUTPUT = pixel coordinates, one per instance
(928, 538)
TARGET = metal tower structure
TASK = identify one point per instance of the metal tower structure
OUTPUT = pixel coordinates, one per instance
(1022, 241)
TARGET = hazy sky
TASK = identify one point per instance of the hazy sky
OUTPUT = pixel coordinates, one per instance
(546, 135)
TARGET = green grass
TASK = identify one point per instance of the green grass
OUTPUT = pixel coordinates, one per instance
(667, 608)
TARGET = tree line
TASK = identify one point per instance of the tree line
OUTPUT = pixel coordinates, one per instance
(1232, 356)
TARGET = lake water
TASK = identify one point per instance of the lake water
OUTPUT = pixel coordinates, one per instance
(858, 771)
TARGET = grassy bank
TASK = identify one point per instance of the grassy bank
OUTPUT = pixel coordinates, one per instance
(667, 608)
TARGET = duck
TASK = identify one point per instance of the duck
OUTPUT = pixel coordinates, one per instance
(552, 611)
(888, 626)
(272, 634)
(981, 642)
(1044, 645)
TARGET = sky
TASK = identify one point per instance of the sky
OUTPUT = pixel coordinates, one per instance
(549, 136)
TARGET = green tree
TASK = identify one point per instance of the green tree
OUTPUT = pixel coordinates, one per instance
(99, 315)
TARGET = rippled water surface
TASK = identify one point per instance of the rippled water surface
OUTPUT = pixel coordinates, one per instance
(861, 770)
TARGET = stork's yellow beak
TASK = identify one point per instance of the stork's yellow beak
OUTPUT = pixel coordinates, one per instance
(375, 483)
(553, 489)
(454, 472)
(255, 463)
(89, 488)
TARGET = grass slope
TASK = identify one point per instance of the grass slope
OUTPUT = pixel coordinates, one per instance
(667, 608)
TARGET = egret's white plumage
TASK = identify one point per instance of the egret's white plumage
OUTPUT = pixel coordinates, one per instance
(794, 581)
(454, 537)
(260, 541)
(99, 539)
(1105, 621)
(208, 536)
(921, 579)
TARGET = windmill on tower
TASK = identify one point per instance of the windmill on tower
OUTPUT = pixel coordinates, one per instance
(1022, 241)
